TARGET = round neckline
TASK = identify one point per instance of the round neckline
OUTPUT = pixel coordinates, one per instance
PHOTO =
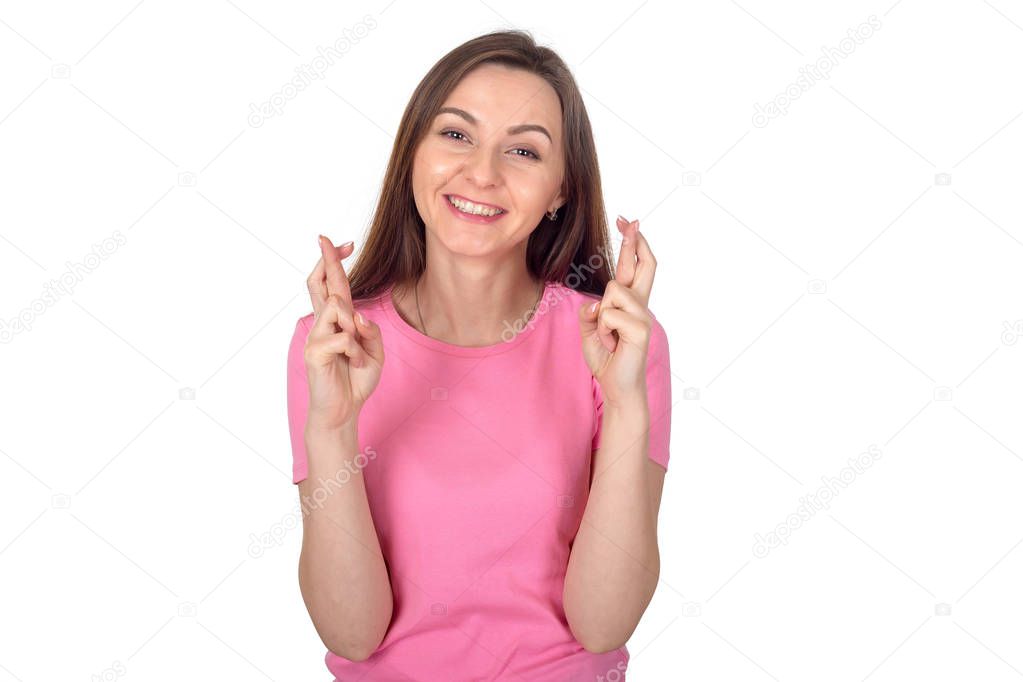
(413, 334)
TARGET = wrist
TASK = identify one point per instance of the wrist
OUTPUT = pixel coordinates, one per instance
(347, 431)
(330, 450)
(627, 402)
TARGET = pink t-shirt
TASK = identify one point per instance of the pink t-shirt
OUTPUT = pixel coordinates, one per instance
(477, 468)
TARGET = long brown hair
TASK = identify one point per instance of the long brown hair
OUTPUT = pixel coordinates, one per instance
(573, 249)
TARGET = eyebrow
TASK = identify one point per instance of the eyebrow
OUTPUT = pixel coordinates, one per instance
(513, 130)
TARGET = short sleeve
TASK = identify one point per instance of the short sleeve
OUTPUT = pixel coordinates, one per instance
(298, 397)
(658, 386)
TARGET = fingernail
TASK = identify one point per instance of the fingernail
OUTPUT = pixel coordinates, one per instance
(347, 244)
(594, 306)
(360, 318)
(319, 239)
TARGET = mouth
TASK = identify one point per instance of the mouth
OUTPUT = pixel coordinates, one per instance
(473, 211)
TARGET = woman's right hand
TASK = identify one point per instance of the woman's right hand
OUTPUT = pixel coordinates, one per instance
(344, 355)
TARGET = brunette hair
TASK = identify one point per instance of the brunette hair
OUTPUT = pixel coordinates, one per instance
(575, 247)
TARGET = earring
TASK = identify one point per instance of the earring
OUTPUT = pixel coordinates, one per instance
(552, 215)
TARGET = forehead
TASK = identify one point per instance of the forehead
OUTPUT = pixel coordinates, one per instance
(500, 96)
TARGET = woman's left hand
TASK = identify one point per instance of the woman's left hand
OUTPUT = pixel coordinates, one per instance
(616, 335)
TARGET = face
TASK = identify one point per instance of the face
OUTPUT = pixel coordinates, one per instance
(497, 143)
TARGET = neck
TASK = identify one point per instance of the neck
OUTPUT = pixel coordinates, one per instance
(469, 308)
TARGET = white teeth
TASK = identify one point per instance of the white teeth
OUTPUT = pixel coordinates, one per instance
(469, 207)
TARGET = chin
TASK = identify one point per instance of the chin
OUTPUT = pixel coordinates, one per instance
(466, 242)
(472, 240)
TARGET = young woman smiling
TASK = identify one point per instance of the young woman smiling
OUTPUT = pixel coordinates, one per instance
(480, 409)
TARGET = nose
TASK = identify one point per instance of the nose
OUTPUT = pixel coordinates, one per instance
(480, 168)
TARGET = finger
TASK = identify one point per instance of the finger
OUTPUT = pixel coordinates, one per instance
(337, 281)
(588, 317)
(317, 286)
(335, 316)
(343, 343)
(617, 295)
(646, 266)
(316, 283)
(588, 314)
(626, 266)
(604, 333)
(630, 328)
(370, 337)
(325, 321)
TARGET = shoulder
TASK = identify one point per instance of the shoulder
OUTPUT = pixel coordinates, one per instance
(305, 323)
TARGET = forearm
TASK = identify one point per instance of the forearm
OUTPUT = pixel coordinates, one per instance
(342, 573)
(615, 563)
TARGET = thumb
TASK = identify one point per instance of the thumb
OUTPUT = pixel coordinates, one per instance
(588, 317)
(370, 337)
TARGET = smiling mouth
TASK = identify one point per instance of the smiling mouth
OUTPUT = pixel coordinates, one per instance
(472, 208)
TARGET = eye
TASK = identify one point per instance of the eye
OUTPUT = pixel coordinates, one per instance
(528, 151)
(444, 133)
(448, 133)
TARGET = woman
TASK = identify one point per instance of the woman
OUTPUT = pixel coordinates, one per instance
(479, 413)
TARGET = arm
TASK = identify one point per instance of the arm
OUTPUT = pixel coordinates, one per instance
(333, 367)
(614, 564)
(342, 573)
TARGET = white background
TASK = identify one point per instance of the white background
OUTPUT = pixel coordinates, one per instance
(825, 289)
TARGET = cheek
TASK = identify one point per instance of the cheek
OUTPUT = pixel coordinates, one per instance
(431, 171)
(533, 190)
(538, 182)
(435, 163)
